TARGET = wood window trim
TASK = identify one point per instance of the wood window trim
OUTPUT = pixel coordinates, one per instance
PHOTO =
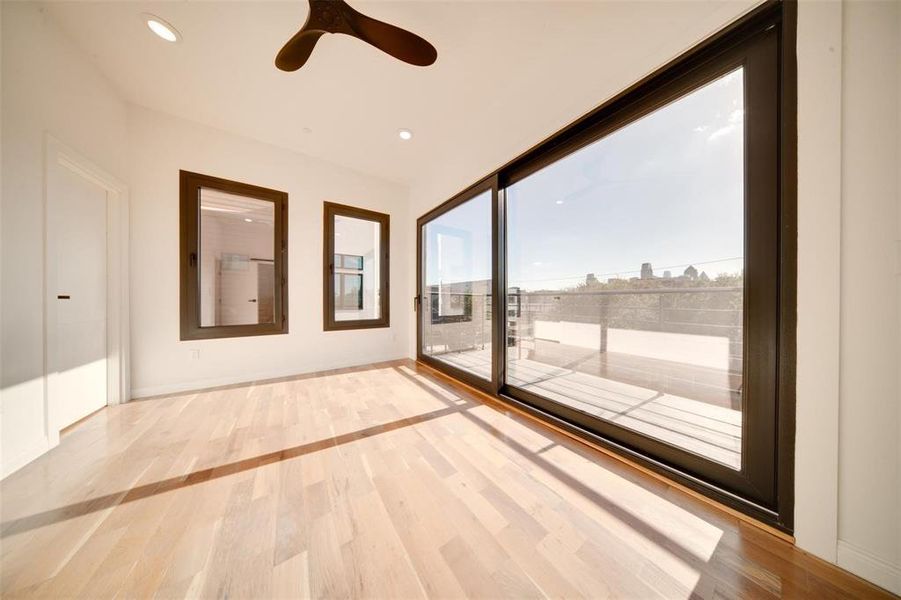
(189, 241)
(330, 211)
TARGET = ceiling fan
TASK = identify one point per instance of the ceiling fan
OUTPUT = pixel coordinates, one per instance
(336, 16)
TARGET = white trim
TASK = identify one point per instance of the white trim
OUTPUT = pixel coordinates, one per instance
(202, 384)
(869, 566)
(23, 458)
(819, 49)
(57, 154)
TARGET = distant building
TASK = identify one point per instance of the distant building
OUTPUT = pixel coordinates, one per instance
(667, 274)
(591, 279)
(647, 272)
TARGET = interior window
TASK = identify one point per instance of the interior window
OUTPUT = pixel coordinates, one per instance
(356, 270)
(233, 258)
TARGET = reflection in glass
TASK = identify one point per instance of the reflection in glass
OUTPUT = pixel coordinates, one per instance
(357, 269)
(626, 266)
(237, 241)
(349, 291)
(456, 302)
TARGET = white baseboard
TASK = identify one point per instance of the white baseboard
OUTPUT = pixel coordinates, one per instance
(23, 458)
(869, 566)
(200, 384)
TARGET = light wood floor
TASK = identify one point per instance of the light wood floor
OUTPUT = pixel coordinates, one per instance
(379, 482)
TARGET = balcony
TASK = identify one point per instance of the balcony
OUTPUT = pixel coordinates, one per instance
(665, 362)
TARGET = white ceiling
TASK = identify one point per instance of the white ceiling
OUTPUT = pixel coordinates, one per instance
(508, 73)
(223, 205)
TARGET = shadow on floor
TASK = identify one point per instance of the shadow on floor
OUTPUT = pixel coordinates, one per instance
(641, 527)
(71, 511)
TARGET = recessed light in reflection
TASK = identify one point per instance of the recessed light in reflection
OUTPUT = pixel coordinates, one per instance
(161, 28)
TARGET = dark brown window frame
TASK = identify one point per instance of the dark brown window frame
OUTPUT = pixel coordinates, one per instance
(189, 227)
(358, 304)
(766, 36)
(330, 210)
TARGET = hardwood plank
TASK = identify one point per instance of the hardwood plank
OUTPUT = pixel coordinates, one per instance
(379, 481)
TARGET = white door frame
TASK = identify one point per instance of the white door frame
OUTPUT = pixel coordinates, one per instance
(57, 155)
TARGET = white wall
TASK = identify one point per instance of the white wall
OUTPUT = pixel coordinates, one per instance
(47, 87)
(869, 470)
(819, 52)
(848, 467)
(161, 145)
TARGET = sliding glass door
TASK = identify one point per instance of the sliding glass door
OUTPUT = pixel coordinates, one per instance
(623, 278)
(456, 283)
(626, 259)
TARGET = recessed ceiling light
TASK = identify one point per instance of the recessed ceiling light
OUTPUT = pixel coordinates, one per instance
(161, 28)
(405, 134)
(248, 220)
(559, 201)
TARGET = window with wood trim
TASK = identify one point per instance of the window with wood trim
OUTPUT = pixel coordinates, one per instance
(355, 269)
(234, 241)
(642, 266)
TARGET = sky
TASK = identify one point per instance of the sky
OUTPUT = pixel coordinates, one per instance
(666, 189)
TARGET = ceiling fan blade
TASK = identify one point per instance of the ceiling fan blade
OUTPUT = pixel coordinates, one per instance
(397, 42)
(295, 53)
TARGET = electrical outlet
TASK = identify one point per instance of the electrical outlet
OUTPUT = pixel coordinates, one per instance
(195, 354)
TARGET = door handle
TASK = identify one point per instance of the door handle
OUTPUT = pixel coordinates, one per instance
(252, 300)
(63, 297)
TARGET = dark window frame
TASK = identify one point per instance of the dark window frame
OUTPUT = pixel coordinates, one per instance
(343, 261)
(343, 290)
(190, 185)
(330, 211)
(488, 184)
(764, 41)
(352, 271)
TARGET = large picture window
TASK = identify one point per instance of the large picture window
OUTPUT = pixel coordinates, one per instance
(640, 300)
(638, 257)
(234, 244)
(355, 270)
